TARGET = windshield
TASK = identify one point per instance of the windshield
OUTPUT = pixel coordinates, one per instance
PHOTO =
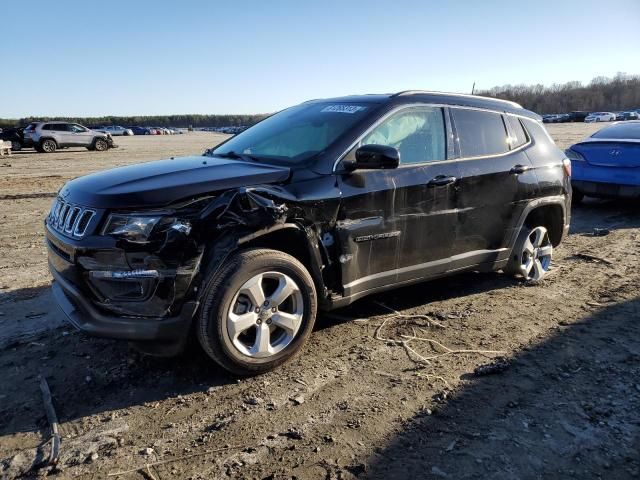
(622, 131)
(295, 134)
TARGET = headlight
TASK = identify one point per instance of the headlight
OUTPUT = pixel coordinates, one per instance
(135, 228)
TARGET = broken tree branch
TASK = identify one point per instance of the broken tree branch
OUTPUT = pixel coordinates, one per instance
(428, 318)
(53, 422)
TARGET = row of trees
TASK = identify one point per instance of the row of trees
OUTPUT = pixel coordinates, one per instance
(621, 92)
(149, 121)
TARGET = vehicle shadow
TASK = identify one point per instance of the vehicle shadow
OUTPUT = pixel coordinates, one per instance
(457, 286)
(607, 214)
(565, 408)
(88, 375)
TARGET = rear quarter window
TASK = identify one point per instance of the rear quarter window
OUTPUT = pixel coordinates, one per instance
(480, 133)
(519, 136)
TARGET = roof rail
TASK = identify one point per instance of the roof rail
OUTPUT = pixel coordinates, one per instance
(428, 92)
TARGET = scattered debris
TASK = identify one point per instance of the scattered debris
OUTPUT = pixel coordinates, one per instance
(600, 232)
(177, 459)
(298, 399)
(498, 365)
(592, 258)
(53, 422)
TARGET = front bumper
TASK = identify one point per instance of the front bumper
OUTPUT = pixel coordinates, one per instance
(169, 332)
(160, 316)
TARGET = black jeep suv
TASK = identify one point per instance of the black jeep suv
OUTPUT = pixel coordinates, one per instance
(312, 208)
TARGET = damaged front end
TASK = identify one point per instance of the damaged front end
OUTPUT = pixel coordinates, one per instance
(135, 272)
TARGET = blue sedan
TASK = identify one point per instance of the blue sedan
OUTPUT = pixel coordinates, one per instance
(607, 164)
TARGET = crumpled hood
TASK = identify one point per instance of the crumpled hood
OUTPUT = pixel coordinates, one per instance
(160, 183)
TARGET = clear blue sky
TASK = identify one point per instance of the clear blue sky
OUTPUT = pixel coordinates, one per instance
(180, 56)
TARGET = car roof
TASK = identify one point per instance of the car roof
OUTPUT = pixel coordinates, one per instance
(445, 98)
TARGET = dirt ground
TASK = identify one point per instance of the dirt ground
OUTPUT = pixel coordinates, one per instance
(561, 401)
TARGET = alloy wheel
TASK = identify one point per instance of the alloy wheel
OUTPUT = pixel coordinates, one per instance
(265, 315)
(535, 258)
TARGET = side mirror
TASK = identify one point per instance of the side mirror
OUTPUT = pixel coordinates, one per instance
(379, 157)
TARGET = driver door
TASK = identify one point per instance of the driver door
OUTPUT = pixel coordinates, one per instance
(396, 226)
(82, 137)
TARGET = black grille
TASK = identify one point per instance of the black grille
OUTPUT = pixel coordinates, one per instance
(70, 219)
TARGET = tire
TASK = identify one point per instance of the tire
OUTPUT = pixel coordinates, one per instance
(531, 255)
(48, 146)
(100, 145)
(16, 146)
(576, 197)
(231, 323)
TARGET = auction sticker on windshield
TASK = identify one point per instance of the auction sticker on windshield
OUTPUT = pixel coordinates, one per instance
(343, 108)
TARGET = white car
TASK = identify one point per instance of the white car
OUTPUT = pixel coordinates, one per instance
(115, 130)
(600, 117)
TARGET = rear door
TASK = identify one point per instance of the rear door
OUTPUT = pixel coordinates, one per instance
(496, 180)
(58, 131)
(398, 225)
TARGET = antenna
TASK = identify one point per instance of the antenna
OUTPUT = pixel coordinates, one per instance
(473, 88)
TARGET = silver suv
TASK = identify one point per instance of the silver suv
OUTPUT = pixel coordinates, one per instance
(48, 136)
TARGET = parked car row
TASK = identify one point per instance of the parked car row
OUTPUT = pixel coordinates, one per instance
(49, 136)
(589, 117)
(117, 130)
(229, 130)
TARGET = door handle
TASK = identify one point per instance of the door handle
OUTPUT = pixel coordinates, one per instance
(518, 169)
(441, 181)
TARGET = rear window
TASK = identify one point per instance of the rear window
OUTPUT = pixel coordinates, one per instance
(480, 133)
(621, 131)
(519, 135)
(58, 127)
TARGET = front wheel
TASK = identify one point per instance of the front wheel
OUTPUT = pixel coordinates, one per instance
(257, 311)
(16, 146)
(101, 145)
(531, 255)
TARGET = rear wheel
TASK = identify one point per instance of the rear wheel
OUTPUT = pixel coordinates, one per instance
(531, 255)
(48, 146)
(257, 311)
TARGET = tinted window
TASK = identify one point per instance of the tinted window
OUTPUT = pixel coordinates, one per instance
(76, 128)
(480, 133)
(623, 130)
(517, 130)
(58, 127)
(418, 134)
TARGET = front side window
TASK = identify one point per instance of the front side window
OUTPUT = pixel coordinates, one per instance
(296, 134)
(418, 134)
(77, 128)
(480, 133)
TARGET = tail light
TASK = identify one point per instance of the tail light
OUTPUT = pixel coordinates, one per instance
(566, 166)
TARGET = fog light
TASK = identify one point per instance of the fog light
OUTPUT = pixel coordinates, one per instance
(127, 285)
(124, 274)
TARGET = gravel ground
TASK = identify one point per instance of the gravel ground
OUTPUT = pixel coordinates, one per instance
(560, 399)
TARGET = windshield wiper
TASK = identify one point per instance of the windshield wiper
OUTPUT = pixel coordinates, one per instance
(237, 156)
